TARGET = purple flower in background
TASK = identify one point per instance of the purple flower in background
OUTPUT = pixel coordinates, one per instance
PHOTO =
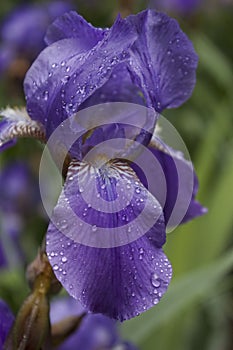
(176, 6)
(145, 60)
(6, 321)
(19, 196)
(23, 31)
(95, 332)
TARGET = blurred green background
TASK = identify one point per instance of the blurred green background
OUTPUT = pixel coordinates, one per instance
(197, 311)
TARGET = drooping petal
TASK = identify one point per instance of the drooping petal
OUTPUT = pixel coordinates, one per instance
(163, 62)
(61, 78)
(105, 274)
(119, 282)
(72, 25)
(109, 206)
(16, 123)
(6, 321)
(178, 195)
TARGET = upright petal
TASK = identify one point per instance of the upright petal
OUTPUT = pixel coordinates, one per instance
(119, 88)
(72, 25)
(61, 78)
(163, 62)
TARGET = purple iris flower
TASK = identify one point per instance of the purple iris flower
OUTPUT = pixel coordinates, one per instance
(22, 32)
(95, 332)
(144, 59)
(6, 321)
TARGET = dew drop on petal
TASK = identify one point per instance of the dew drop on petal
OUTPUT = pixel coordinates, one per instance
(155, 280)
(94, 228)
(55, 267)
(64, 259)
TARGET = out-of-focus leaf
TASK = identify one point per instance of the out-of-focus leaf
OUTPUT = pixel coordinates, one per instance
(214, 61)
(182, 292)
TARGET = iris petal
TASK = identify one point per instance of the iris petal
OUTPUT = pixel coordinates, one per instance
(119, 88)
(72, 25)
(105, 206)
(163, 61)
(179, 204)
(62, 78)
(119, 281)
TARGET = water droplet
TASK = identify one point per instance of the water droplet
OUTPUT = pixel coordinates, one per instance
(64, 259)
(46, 95)
(65, 79)
(81, 189)
(94, 228)
(55, 267)
(133, 294)
(138, 190)
(155, 280)
(155, 301)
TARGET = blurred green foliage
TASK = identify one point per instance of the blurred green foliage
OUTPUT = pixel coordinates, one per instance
(197, 311)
